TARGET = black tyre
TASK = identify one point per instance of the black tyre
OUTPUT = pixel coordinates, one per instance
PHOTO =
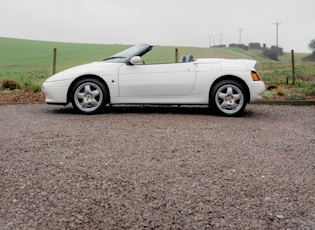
(228, 98)
(88, 96)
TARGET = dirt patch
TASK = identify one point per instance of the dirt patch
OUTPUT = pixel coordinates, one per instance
(275, 92)
(22, 97)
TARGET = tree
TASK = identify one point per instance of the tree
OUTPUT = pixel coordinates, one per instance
(273, 52)
(311, 57)
(311, 45)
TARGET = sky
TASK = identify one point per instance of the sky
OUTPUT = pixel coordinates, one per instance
(198, 23)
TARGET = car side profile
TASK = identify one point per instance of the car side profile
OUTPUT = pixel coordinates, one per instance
(225, 85)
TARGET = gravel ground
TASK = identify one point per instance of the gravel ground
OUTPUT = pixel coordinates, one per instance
(165, 168)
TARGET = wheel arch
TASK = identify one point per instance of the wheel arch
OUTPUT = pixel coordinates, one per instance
(231, 77)
(88, 76)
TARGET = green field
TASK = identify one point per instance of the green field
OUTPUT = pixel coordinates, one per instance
(30, 62)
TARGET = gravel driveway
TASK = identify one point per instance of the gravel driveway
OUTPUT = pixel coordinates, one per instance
(179, 168)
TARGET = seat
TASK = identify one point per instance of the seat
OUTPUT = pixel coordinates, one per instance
(189, 58)
(183, 59)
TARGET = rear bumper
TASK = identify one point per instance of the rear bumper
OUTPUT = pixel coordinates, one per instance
(256, 88)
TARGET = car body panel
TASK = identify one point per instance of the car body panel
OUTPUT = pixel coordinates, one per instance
(157, 80)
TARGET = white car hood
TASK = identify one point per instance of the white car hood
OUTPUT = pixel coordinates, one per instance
(97, 68)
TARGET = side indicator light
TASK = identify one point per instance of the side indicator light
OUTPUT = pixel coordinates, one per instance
(255, 76)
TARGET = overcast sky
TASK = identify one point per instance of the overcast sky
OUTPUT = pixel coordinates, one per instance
(161, 22)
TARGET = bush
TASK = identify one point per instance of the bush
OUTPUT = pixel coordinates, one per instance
(269, 94)
(280, 92)
(310, 57)
(35, 87)
(254, 45)
(295, 97)
(272, 53)
(10, 84)
(241, 46)
(310, 90)
(29, 85)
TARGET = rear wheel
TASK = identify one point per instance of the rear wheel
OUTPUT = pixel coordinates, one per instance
(228, 98)
(88, 96)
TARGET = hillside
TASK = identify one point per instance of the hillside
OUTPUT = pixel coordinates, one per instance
(20, 57)
(30, 62)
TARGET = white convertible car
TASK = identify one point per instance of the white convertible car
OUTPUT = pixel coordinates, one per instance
(225, 85)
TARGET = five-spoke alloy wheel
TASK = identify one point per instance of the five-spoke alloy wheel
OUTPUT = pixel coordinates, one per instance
(228, 98)
(88, 96)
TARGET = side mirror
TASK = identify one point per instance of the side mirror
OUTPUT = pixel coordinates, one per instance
(136, 60)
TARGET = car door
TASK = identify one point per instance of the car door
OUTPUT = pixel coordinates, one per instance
(175, 79)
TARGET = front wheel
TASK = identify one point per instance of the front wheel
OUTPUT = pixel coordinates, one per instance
(228, 98)
(88, 96)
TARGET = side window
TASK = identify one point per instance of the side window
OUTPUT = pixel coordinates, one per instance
(159, 55)
(162, 55)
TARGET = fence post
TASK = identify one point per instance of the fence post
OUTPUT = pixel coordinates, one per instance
(55, 61)
(293, 67)
(176, 55)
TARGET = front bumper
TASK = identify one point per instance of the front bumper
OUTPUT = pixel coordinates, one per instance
(56, 92)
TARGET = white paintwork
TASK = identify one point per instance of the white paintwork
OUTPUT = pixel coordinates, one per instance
(174, 83)
(136, 60)
(157, 80)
